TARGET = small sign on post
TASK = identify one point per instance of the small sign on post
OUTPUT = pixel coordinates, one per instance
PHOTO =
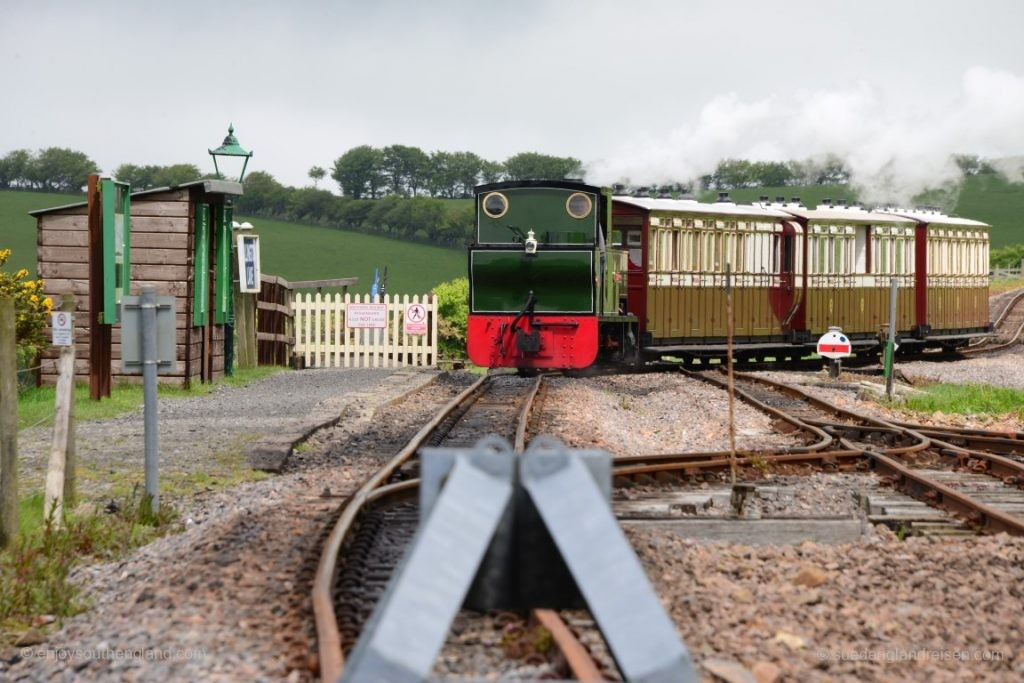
(415, 319)
(834, 345)
(63, 324)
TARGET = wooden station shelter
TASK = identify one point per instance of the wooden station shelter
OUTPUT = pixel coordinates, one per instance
(180, 242)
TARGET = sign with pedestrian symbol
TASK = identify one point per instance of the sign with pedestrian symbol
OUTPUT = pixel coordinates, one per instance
(63, 324)
(834, 344)
(415, 319)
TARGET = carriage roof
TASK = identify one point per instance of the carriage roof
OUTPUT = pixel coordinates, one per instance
(852, 214)
(692, 206)
(934, 218)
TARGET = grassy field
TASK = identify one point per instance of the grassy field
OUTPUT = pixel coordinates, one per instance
(985, 198)
(294, 251)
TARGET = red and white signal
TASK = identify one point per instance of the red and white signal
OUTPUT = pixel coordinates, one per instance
(834, 344)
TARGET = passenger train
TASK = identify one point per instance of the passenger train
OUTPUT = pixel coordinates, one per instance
(565, 274)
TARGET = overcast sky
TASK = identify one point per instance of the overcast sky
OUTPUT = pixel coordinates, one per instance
(644, 89)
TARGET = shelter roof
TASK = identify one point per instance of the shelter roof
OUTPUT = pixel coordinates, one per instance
(209, 186)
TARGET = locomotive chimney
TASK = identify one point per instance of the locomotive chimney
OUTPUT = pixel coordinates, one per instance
(779, 199)
(723, 197)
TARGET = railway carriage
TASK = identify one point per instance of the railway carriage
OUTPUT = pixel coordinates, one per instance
(563, 274)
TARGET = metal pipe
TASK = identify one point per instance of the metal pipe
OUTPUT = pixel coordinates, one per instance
(149, 361)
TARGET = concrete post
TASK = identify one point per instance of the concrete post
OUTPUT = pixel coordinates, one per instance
(8, 425)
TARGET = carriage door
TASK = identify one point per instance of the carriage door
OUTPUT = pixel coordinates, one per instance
(782, 292)
(636, 290)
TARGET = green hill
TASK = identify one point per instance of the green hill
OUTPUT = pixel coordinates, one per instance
(294, 251)
(987, 198)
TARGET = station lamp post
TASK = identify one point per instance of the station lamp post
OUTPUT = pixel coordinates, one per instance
(230, 148)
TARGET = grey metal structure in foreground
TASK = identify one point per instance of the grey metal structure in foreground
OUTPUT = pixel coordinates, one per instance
(485, 516)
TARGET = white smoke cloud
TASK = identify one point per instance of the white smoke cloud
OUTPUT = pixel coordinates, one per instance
(894, 147)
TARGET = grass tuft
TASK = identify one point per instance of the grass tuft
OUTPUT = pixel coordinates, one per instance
(35, 587)
(968, 399)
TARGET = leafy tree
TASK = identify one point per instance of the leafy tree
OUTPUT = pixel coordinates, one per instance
(61, 169)
(444, 180)
(308, 204)
(176, 174)
(263, 195)
(491, 171)
(139, 177)
(405, 168)
(317, 173)
(13, 168)
(465, 168)
(359, 171)
(536, 166)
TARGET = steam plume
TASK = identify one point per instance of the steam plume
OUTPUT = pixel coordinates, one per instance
(894, 147)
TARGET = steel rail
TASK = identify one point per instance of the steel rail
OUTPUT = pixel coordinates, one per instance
(995, 465)
(576, 656)
(916, 484)
(328, 637)
(985, 345)
(934, 493)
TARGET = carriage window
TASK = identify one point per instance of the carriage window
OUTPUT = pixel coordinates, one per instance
(860, 246)
(616, 238)
(675, 250)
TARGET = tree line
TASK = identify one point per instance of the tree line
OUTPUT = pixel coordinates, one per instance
(367, 172)
(423, 219)
(54, 169)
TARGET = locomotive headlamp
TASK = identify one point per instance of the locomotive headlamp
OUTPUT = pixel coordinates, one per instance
(578, 205)
(530, 243)
(495, 205)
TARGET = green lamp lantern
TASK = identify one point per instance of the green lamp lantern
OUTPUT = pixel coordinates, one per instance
(230, 148)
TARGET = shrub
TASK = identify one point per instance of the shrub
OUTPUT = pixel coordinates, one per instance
(30, 306)
(453, 310)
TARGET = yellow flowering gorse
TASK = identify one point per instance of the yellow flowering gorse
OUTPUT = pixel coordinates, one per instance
(31, 310)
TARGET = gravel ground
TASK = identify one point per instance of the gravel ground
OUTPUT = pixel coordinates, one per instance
(854, 612)
(649, 413)
(1001, 369)
(198, 435)
(229, 597)
(816, 494)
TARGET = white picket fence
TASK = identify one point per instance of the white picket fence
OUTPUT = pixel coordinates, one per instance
(323, 341)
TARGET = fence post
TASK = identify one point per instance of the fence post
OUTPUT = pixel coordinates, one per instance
(245, 329)
(8, 425)
(60, 474)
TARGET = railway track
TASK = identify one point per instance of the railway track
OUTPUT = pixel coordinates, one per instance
(377, 523)
(980, 487)
(1009, 326)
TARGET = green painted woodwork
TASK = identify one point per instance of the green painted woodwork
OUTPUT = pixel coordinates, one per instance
(616, 270)
(562, 281)
(539, 209)
(201, 277)
(116, 211)
(222, 300)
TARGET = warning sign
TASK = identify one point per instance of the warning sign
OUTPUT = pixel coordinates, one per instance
(372, 316)
(834, 344)
(415, 319)
(63, 324)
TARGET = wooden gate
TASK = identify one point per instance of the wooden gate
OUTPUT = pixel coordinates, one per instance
(275, 330)
(324, 339)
